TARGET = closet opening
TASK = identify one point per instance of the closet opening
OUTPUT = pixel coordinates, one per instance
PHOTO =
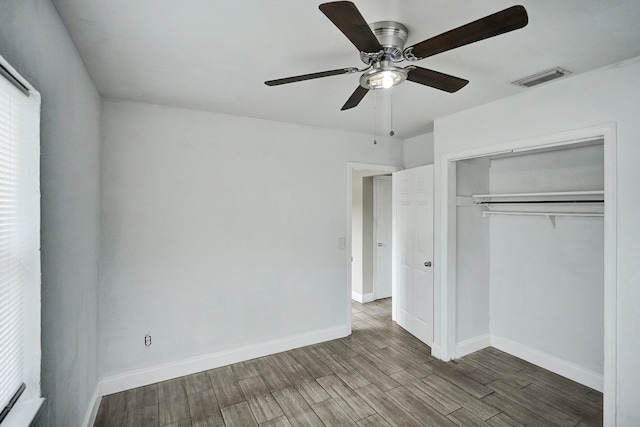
(528, 255)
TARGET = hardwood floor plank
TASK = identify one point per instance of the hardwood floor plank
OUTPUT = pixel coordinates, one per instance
(171, 389)
(581, 409)
(434, 398)
(226, 386)
(465, 419)
(373, 421)
(417, 407)
(204, 408)
(389, 367)
(371, 373)
(297, 410)
(517, 412)
(141, 397)
(346, 398)
(311, 363)
(387, 408)
(112, 411)
(562, 386)
(496, 363)
(282, 421)
(551, 413)
(244, 370)
(197, 382)
(345, 372)
(173, 410)
(469, 385)
(260, 399)
(331, 414)
(271, 374)
(516, 380)
(308, 387)
(503, 420)
(472, 404)
(143, 417)
(238, 415)
(282, 360)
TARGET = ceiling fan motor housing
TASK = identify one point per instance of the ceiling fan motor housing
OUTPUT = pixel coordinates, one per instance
(392, 36)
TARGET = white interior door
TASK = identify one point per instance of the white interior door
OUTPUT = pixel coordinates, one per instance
(382, 210)
(413, 231)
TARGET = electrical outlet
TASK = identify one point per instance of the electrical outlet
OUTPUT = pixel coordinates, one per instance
(147, 340)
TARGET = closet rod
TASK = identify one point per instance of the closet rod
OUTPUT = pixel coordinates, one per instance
(533, 213)
(529, 202)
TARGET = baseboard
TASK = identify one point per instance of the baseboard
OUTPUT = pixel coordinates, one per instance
(94, 404)
(362, 298)
(551, 363)
(436, 351)
(142, 377)
(471, 345)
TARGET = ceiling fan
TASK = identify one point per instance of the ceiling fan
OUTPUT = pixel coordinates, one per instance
(381, 46)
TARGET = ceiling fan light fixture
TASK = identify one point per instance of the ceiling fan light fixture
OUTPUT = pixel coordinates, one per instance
(383, 78)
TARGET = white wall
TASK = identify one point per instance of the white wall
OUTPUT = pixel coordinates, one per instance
(35, 42)
(418, 151)
(547, 284)
(604, 96)
(220, 232)
(472, 256)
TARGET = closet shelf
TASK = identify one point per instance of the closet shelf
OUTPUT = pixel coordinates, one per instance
(590, 196)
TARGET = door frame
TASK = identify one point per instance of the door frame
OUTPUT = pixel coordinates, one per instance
(351, 167)
(375, 231)
(445, 347)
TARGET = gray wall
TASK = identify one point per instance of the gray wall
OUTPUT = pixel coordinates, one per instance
(35, 42)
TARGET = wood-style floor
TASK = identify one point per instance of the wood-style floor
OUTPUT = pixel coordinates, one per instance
(379, 376)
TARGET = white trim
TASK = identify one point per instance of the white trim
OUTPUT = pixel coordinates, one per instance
(352, 166)
(362, 298)
(23, 412)
(436, 351)
(473, 344)
(142, 377)
(610, 273)
(447, 201)
(551, 363)
(94, 405)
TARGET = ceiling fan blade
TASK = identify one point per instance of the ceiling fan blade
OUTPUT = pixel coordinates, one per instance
(501, 22)
(310, 76)
(347, 18)
(355, 98)
(436, 79)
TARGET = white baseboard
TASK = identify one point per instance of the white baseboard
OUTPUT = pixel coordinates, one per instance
(362, 298)
(94, 404)
(436, 351)
(142, 377)
(561, 367)
(474, 344)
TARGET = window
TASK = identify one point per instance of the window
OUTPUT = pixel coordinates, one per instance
(19, 242)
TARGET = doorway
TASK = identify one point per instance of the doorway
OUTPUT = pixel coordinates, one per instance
(361, 247)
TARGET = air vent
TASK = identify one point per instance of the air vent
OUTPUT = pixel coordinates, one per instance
(542, 77)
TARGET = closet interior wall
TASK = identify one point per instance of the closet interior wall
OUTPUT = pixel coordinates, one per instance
(524, 282)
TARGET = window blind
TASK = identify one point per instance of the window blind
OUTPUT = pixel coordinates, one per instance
(19, 228)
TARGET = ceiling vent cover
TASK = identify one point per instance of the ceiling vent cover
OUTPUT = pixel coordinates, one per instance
(542, 77)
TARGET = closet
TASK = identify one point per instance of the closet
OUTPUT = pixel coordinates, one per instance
(530, 257)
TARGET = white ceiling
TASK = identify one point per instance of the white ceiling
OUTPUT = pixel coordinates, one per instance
(215, 55)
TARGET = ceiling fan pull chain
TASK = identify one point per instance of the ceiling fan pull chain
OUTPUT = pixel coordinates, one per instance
(375, 116)
(391, 132)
